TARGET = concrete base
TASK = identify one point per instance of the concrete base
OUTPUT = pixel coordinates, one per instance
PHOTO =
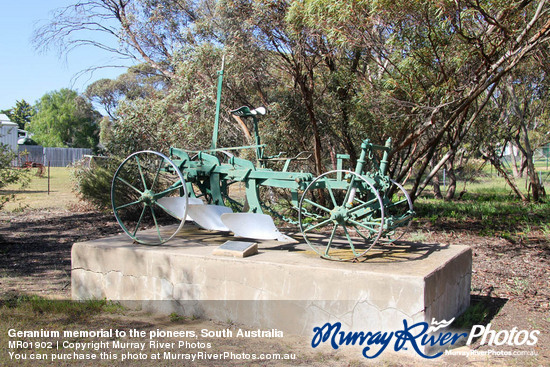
(286, 287)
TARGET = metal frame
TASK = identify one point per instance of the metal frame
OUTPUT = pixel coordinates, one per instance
(364, 209)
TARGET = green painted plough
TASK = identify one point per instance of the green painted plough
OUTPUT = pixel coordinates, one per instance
(341, 214)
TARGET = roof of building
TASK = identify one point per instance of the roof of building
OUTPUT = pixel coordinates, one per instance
(5, 120)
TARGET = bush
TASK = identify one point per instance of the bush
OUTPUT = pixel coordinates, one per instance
(92, 181)
(9, 174)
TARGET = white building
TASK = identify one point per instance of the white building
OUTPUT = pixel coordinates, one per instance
(8, 132)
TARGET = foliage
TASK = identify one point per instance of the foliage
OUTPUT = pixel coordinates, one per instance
(20, 114)
(517, 117)
(92, 181)
(8, 174)
(331, 72)
(139, 82)
(183, 114)
(65, 119)
(434, 64)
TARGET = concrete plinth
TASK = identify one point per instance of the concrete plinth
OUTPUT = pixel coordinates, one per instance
(285, 287)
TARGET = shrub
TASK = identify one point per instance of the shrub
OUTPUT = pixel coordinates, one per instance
(9, 174)
(92, 181)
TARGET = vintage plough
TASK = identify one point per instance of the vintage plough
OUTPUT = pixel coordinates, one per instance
(341, 214)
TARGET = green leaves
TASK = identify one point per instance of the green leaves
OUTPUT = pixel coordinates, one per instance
(21, 113)
(8, 174)
(333, 72)
(64, 119)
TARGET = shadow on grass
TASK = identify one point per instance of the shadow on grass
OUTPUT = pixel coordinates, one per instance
(18, 192)
(481, 311)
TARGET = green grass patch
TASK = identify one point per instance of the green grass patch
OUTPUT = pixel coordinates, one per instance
(513, 211)
(489, 208)
(24, 312)
(476, 314)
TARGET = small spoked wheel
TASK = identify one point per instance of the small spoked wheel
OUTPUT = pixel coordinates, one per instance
(341, 215)
(398, 209)
(149, 197)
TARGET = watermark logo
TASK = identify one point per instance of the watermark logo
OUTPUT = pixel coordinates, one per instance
(419, 336)
(512, 337)
(439, 325)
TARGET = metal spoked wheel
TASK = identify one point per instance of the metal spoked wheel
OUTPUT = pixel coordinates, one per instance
(398, 210)
(149, 197)
(341, 215)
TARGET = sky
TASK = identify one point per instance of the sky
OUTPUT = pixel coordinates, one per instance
(28, 74)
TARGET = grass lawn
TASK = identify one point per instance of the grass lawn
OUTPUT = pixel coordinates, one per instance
(490, 205)
(35, 195)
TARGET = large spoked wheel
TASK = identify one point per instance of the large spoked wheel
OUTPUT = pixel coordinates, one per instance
(341, 215)
(398, 208)
(149, 197)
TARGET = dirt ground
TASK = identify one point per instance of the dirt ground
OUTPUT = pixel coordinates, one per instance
(510, 279)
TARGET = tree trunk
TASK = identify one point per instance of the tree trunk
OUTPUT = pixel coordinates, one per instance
(450, 195)
(530, 165)
(496, 163)
(307, 95)
(333, 158)
(514, 162)
(524, 145)
(435, 182)
(436, 187)
(523, 166)
(531, 171)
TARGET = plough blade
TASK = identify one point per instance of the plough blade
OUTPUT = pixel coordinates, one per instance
(208, 216)
(175, 205)
(193, 201)
(254, 225)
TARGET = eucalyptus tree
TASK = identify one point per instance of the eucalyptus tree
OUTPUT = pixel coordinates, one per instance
(521, 121)
(436, 63)
(150, 31)
(528, 98)
(139, 81)
(419, 72)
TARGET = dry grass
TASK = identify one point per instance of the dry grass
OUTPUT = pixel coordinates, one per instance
(35, 195)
